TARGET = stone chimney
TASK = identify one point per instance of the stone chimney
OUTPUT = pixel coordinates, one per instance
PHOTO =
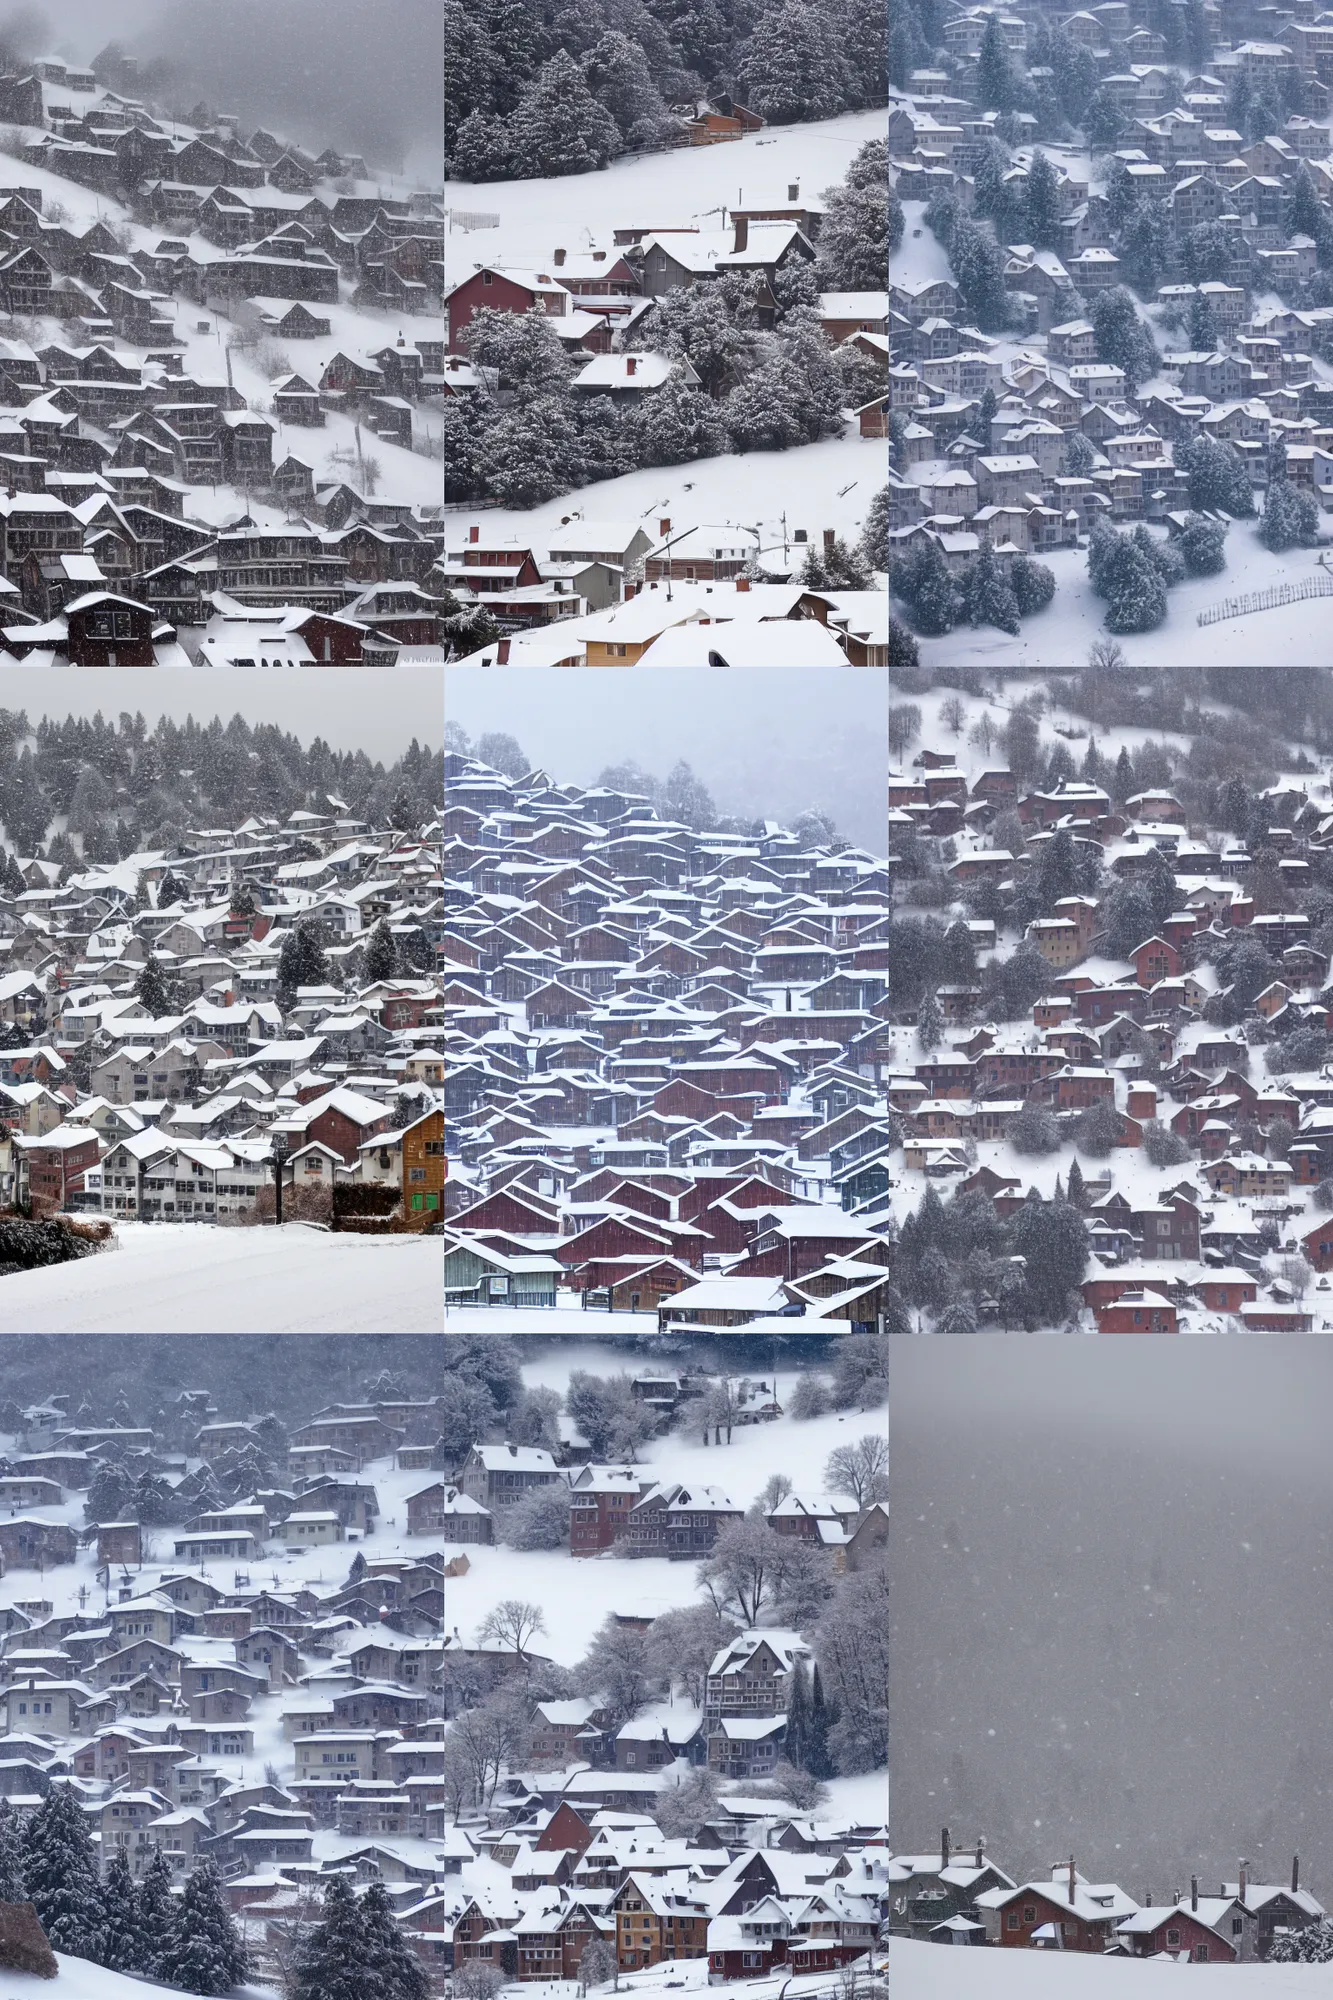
(558, 259)
(1072, 1880)
(502, 653)
(944, 1847)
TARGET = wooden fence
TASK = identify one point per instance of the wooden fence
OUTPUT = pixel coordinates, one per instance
(1265, 600)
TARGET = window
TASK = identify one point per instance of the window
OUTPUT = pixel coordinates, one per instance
(1173, 1937)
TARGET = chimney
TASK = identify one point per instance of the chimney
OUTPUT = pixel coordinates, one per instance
(742, 233)
(513, 1451)
(1194, 1892)
(1243, 1884)
(502, 653)
(559, 259)
(981, 1850)
(1295, 1873)
(474, 533)
(664, 526)
(944, 1847)
(599, 256)
(631, 364)
(793, 190)
(742, 583)
(1072, 1892)
(830, 536)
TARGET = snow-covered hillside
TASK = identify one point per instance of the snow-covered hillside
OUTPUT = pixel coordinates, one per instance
(686, 188)
(180, 1278)
(933, 1972)
(79, 1979)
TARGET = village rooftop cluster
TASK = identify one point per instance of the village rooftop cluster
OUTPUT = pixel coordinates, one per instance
(163, 1061)
(232, 1640)
(1134, 1030)
(959, 1896)
(164, 504)
(666, 1056)
(1109, 301)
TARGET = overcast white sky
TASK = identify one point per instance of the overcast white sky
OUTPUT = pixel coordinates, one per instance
(352, 708)
(766, 744)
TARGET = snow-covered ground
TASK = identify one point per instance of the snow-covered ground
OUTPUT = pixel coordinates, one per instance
(682, 189)
(934, 1972)
(78, 1979)
(187, 1278)
(1290, 635)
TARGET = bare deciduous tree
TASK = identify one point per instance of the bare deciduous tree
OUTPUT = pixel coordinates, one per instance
(860, 1470)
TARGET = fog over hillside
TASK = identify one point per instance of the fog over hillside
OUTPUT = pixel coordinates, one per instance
(1112, 1571)
(302, 68)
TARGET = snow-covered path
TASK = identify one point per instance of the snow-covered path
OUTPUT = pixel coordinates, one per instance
(187, 1279)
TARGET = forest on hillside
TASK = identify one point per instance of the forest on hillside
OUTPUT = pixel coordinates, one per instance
(532, 91)
(124, 788)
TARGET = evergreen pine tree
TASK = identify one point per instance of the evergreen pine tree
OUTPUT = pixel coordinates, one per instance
(798, 1716)
(1203, 329)
(929, 1022)
(818, 1760)
(60, 1872)
(1032, 583)
(205, 1954)
(875, 534)
(995, 87)
(120, 1943)
(790, 68)
(987, 595)
(381, 955)
(558, 126)
(934, 598)
(12, 1888)
(150, 988)
(1203, 544)
(676, 424)
(1076, 1193)
(331, 1963)
(389, 1957)
(1042, 196)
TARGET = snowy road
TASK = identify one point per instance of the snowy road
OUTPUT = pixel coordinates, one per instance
(183, 1279)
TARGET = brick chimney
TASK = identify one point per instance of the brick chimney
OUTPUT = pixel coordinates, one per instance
(599, 256)
(558, 259)
(664, 526)
(742, 233)
(742, 583)
(830, 536)
(474, 533)
(502, 653)
(631, 364)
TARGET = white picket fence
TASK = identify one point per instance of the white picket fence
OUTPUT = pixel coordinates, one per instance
(1265, 600)
(472, 218)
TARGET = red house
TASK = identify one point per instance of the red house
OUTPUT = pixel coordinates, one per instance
(504, 291)
(1137, 1312)
(1155, 959)
(1172, 1930)
(600, 1501)
(57, 1163)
